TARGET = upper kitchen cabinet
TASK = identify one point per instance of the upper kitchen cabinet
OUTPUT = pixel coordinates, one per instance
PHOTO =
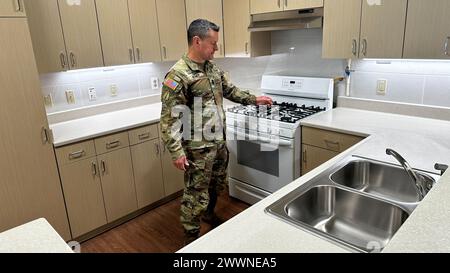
(265, 6)
(29, 183)
(12, 8)
(172, 28)
(239, 41)
(357, 29)
(115, 32)
(302, 4)
(427, 30)
(144, 29)
(61, 40)
(383, 29)
(342, 19)
(210, 10)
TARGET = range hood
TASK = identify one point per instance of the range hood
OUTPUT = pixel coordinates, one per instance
(284, 20)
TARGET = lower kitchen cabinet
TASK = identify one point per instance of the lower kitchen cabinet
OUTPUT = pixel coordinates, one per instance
(312, 157)
(319, 146)
(119, 191)
(173, 178)
(84, 198)
(147, 172)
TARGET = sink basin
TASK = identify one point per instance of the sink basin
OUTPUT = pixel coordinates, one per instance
(379, 179)
(355, 220)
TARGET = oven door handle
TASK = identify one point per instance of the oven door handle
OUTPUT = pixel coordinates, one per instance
(258, 139)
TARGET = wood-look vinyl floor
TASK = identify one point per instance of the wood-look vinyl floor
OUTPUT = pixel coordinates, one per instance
(157, 231)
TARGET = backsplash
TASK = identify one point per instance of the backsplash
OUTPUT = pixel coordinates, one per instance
(295, 53)
(422, 82)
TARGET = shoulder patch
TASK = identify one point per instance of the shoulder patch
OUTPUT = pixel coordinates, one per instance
(171, 84)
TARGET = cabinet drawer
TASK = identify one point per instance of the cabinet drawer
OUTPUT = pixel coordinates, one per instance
(111, 143)
(75, 152)
(329, 140)
(143, 134)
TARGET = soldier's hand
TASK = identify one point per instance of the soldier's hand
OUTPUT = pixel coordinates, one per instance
(181, 163)
(264, 100)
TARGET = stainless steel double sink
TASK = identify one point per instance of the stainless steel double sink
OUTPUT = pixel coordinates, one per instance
(358, 203)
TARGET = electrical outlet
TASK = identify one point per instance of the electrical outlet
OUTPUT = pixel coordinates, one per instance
(48, 100)
(113, 90)
(381, 87)
(92, 94)
(155, 83)
(70, 96)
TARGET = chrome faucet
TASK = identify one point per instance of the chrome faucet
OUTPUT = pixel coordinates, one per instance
(421, 185)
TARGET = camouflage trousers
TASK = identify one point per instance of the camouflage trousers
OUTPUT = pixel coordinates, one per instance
(205, 178)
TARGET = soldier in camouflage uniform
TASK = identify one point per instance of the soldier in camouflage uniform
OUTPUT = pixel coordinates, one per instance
(199, 86)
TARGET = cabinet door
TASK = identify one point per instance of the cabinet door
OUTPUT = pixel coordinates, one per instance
(29, 183)
(115, 32)
(144, 27)
(172, 28)
(342, 20)
(313, 157)
(427, 30)
(210, 10)
(173, 178)
(12, 8)
(383, 29)
(47, 35)
(302, 4)
(236, 19)
(83, 195)
(264, 6)
(119, 190)
(81, 36)
(147, 172)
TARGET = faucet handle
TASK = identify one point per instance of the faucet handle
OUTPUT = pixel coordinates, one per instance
(441, 167)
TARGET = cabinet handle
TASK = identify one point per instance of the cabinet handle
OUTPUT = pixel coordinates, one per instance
(304, 156)
(246, 48)
(45, 136)
(285, 3)
(76, 155)
(130, 52)
(144, 136)
(103, 167)
(330, 142)
(279, 3)
(62, 58)
(138, 53)
(18, 5)
(364, 47)
(113, 144)
(354, 47)
(157, 149)
(446, 46)
(94, 169)
(165, 52)
(73, 60)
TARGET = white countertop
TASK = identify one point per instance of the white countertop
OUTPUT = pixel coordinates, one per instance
(423, 142)
(35, 237)
(103, 124)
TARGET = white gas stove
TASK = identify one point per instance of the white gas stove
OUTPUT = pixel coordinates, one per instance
(265, 142)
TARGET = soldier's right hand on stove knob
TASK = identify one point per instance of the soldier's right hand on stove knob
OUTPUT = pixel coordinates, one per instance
(264, 100)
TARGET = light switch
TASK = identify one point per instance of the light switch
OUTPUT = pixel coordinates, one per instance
(381, 87)
(70, 96)
(155, 83)
(113, 90)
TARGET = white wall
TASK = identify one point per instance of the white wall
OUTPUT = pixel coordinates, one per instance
(423, 82)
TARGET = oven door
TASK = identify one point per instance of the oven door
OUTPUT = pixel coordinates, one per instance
(255, 160)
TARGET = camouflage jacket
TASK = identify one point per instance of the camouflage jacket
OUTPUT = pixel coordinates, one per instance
(188, 87)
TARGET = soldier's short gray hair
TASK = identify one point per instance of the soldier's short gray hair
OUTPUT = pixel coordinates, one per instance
(200, 28)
